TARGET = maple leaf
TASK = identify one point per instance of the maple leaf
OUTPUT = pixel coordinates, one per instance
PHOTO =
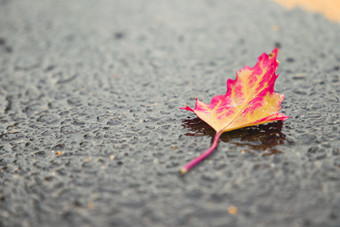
(250, 100)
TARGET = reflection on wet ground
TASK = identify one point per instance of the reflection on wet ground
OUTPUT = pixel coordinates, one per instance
(256, 139)
(329, 8)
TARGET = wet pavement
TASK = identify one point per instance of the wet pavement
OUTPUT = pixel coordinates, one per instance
(91, 133)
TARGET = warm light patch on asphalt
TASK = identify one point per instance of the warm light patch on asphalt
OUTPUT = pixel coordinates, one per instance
(329, 8)
(232, 210)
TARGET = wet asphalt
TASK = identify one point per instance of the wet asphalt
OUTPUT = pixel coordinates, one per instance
(91, 133)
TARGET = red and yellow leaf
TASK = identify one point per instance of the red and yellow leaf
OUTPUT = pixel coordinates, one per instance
(250, 100)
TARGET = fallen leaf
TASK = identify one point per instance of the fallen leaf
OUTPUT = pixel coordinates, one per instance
(250, 100)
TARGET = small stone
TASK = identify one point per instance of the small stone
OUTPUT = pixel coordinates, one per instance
(195, 194)
(232, 210)
(336, 151)
(321, 155)
(90, 205)
(174, 147)
(313, 150)
(118, 35)
(2, 41)
(337, 162)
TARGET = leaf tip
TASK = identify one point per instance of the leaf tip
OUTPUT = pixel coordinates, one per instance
(186, 108)
(285, 117)
(274, 53)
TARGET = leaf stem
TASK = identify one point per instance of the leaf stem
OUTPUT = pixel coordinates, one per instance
(202, 156)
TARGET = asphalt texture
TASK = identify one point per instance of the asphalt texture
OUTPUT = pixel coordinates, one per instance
(91, 133)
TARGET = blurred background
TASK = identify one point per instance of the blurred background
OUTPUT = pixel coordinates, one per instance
(91, 133)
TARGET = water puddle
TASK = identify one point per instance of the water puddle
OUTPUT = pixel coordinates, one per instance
(329, 8)
(261, 139)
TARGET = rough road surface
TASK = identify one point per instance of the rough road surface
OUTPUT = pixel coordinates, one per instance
(91, 133)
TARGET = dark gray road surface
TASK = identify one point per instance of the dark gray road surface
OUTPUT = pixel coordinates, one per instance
(91, 133)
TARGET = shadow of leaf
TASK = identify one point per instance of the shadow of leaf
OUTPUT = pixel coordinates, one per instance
(260, 138)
